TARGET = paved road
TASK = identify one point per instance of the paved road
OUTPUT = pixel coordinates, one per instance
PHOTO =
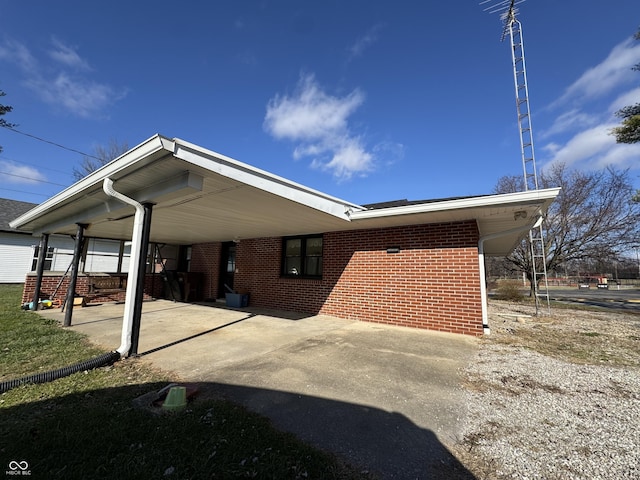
(625, 299)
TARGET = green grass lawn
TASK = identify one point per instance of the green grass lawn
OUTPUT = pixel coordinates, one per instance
(85, 426)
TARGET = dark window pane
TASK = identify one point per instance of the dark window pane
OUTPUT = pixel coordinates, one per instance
(294, 247)
(314, 247)
(313, 266)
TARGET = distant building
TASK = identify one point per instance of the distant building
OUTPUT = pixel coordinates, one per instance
(16, 247)
(19, 249)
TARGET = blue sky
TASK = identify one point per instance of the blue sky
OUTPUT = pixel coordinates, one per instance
(365, 100)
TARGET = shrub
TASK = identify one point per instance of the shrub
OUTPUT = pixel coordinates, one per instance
(510, 290)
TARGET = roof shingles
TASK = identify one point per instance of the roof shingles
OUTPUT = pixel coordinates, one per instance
(10, 210)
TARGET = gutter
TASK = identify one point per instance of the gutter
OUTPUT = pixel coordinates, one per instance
(143, 151)
(518, 198)
(134, 262)
(483, 280)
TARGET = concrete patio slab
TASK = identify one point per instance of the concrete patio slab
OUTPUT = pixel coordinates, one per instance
(385, 398)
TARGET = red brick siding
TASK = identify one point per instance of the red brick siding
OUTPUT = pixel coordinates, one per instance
(205, 259)
(432, 283)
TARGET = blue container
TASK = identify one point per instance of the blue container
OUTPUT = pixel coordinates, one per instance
(237, 300)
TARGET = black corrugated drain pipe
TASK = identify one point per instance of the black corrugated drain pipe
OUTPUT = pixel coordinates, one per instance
(44, 377)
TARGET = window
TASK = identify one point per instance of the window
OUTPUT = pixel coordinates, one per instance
(302, 256)
(48, 259)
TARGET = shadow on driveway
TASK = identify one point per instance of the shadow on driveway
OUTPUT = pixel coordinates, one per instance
(384, 397)
(66, 437)
(387, 444)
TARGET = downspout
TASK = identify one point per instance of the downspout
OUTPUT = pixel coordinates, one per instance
(134, 263)
(127, 323)
(483, 280)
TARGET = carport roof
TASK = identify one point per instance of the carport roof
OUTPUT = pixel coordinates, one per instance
(201, 196)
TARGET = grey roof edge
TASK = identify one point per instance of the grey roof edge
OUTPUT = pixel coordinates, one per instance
(11, 209)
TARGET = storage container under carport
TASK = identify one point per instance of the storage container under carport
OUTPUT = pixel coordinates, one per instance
(237, 300)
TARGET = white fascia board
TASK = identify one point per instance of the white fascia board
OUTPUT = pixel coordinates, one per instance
(506, 199)
(146, 148)
(174, 187)
(263, 180)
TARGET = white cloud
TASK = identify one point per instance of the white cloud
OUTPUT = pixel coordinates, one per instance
(625, 99)
(67, 56)
(21, 174)
(310, 114)
(594, 149)
(619, 155)
(15, 52)
(78, 95)
(348, 156)
(583, 146)
(581, 136)
(364, 42)
(570, 120)
(318, 122)
(612, 72)
(63, 83)
(551, 148)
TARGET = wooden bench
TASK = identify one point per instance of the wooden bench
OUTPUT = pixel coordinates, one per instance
(106, 286)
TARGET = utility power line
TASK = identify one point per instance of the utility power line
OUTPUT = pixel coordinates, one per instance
(32, 179)
(32, 164)
(50, 142)
(22, 191)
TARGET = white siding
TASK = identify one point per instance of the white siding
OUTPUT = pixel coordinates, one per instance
(62, 252)
(102, 256)
(16, 254)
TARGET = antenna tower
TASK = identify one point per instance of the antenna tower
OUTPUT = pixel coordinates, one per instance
(513, 28)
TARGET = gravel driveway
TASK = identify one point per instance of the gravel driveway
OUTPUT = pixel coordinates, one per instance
(554, 397)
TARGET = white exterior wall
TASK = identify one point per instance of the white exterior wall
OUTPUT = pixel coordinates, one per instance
(102, 256)
(62, 253)
(16, 254)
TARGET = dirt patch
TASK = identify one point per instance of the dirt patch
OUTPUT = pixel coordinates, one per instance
(577, 336)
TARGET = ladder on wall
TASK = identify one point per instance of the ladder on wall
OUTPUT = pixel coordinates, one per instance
(539, 282)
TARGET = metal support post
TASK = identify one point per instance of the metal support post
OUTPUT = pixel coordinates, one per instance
(142, 270)
(71, 291)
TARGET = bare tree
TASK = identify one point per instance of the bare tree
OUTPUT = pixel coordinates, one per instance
(5, 109)
(593, 217)
(102, 155)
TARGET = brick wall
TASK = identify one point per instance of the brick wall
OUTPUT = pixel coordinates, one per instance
(433, 282)
(205, 259)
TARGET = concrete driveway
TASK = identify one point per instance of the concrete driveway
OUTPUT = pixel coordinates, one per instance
(384, 398)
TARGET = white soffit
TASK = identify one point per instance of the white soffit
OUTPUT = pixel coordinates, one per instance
(263, 180)
(199, 196)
